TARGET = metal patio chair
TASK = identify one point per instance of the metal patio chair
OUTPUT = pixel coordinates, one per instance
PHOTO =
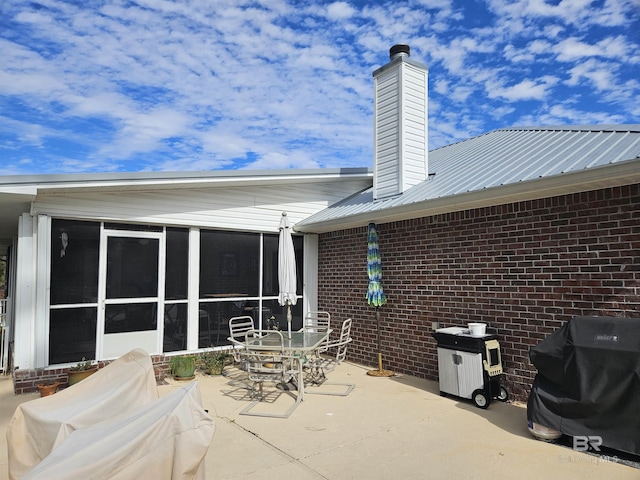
(318, 321)
(238, 327)
(322, 362)
(269, 366)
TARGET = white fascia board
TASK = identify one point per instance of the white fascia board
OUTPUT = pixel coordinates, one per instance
(18, 190)
(164, 180)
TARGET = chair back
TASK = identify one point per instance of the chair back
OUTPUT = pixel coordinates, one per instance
(266, 361)
(343, 341)
(263, 365)
(238, 327)
(318, 321)
(276, 346)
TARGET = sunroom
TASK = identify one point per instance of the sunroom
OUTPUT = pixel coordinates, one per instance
(99, 264)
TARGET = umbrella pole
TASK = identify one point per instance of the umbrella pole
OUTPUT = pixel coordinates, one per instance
(289, 318)
(378, 331)
(380, 372)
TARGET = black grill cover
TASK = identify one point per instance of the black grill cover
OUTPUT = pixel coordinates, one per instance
(588, 381)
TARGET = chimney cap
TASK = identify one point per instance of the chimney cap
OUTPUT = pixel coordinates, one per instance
(399, 50)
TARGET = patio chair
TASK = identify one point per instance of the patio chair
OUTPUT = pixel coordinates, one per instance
(269, 366)
(317, 321)
(238, 327)
(318, 366)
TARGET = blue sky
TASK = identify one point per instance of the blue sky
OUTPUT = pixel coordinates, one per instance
(158, 85)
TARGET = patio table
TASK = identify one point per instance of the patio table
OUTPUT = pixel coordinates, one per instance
(297, 346)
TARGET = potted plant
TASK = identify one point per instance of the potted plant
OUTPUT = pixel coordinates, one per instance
(81, 371)
(48, 388)
(182, 367)
(213, 362)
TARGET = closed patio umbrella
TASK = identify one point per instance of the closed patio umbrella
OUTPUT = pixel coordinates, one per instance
(286, 268)
(375, 292)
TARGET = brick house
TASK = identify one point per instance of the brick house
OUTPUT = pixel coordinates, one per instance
(520, 228)
(523, 268)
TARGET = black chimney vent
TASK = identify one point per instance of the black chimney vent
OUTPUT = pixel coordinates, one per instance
(400, 49)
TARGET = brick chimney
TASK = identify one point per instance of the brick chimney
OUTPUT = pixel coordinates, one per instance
(400, 124)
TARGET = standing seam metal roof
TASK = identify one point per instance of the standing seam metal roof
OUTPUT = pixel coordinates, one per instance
(501, 158)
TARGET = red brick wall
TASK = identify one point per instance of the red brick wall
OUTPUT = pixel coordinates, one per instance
(522, 268)
(26, 381)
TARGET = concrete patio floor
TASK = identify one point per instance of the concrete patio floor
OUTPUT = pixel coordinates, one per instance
(386, 428)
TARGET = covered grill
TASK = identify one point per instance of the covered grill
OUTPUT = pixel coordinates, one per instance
(588, 381)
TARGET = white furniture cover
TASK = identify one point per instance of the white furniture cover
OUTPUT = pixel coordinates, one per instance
(166, 440)
(122, 394)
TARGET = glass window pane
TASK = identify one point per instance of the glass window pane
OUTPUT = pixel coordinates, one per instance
(229, 264)
(130, 317)
(213, 327)
(298, 245)
(254, 310)
(132, 267)
(270, 284)
(74, 261)
(177, 261)
(270, 265)
(72, 334)
(273, 314)
(175, 327)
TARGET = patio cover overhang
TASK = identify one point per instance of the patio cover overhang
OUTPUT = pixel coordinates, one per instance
(19, 191)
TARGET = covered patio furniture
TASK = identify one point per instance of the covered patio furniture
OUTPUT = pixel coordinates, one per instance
(319, 364)
(272, 364)
(167, 439)
(41, 425)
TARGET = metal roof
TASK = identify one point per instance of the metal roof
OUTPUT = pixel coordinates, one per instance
(502, 166)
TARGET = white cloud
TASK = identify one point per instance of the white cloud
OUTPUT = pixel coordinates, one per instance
(340, 11)
(454, 56)
(572, 49)
(524, 90)
(562, 114)
(144, 131)
(539, 47)
(280, 84)
(519, 55)
(581, 13)
(567, 10)
(596, 74)
(283, 160)
(551, 31)
(461, 94)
